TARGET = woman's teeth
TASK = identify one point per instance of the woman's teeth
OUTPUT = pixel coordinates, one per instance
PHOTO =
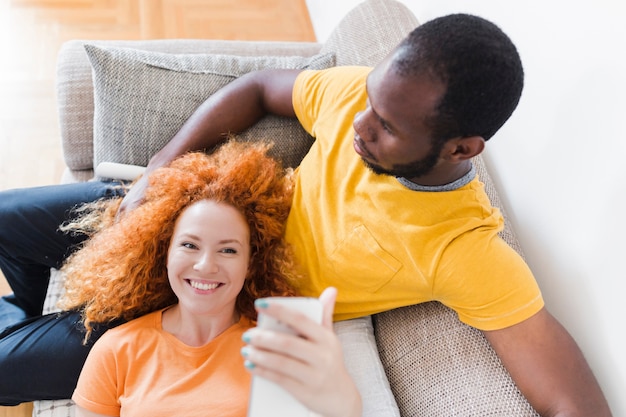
(203, 285)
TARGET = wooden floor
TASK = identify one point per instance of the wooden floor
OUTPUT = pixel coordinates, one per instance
(32, 31)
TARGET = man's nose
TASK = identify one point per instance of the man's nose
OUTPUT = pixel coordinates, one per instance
(360, 121)
(363, 125)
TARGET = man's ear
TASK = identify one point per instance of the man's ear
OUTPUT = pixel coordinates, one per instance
(463, 148)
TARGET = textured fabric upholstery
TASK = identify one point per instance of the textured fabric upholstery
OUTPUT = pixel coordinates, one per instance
(143, 98)
(75, 89)
(369, 32)
(436, 365)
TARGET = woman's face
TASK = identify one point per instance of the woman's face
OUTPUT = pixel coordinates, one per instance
(208, 258)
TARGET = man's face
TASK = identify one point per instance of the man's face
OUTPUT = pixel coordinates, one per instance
(391, 134)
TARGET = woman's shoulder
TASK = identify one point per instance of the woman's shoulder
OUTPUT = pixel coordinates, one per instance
(145, 324)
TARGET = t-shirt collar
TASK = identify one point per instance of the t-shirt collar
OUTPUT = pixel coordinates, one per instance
(454, 185)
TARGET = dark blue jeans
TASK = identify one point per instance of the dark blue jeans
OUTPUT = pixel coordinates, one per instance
(40, 356)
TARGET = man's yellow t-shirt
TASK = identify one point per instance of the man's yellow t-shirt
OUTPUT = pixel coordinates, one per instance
(384, 245)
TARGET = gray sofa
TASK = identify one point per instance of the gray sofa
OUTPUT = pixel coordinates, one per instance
(436, 365)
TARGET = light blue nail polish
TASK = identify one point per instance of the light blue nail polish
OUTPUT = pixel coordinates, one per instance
(245, 351)
(246, 337)
(261, 303)
(249, 364)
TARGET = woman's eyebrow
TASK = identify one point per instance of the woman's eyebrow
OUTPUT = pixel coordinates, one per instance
(231, 241)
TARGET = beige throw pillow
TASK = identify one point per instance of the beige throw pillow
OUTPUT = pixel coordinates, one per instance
(141, 99)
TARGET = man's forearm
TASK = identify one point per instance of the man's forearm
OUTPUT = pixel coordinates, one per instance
(228, 111)
(231, 110)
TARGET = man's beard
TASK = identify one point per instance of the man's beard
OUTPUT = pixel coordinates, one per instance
(412, 170)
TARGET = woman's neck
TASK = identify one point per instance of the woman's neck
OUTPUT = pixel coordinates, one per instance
(193, 329)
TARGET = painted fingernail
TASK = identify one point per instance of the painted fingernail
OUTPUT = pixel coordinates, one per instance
(249, 364)
(246, 337)
(245, 351)
(261, 303)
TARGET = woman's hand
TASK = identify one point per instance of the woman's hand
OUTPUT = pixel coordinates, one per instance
(309, 366)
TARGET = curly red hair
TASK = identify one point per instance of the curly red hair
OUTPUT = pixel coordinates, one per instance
(120, 272)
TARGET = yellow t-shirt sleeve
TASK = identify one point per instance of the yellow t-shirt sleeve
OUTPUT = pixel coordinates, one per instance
(334, 85)
(298, 99)
(494, 279)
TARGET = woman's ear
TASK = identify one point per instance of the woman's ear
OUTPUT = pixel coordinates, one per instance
(463, 148)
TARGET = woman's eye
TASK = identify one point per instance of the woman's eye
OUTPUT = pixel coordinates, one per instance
(229, 250)
(189, 245)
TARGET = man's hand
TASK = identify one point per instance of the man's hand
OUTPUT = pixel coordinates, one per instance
(134, 197)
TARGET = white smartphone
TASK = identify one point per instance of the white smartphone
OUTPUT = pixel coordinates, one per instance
(268, 399)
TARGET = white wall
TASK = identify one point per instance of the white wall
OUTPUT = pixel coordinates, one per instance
(559, 161)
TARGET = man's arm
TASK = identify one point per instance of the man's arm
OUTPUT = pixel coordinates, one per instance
(549, 368)
(237, 106)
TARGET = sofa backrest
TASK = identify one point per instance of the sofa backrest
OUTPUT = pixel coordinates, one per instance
(369, 32)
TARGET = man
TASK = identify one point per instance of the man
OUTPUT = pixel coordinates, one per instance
(387, 206)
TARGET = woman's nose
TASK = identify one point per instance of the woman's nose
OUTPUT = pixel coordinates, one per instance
(206, 263)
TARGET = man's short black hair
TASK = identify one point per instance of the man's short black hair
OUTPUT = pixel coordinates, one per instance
(479, 66)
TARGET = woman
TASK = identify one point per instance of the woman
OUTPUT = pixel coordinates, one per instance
(185, 268)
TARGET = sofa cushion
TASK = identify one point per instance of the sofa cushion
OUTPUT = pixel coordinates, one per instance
(440, 367)
(141, 99)
(74, 85)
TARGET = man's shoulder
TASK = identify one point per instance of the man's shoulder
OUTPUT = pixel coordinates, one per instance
(343, 74)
